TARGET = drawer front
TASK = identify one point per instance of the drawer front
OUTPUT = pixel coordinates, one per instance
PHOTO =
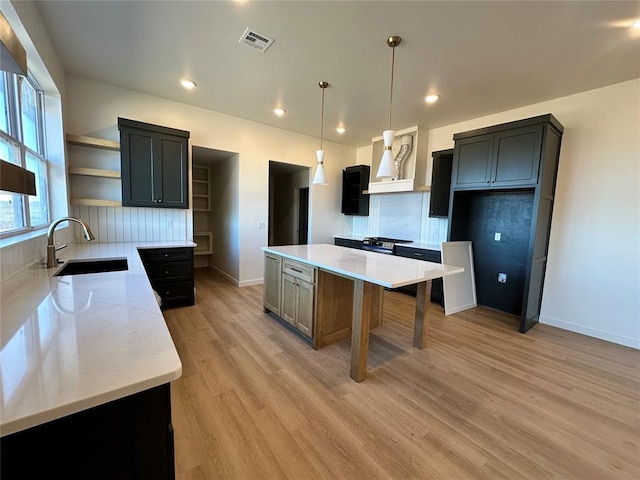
(300, 270)
(346, 242)
(161, 255)
(170, 271)
(418, 254)
(174, 290)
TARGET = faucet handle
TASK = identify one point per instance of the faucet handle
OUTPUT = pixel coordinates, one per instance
(61, 247)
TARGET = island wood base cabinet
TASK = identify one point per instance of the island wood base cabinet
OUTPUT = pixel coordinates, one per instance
(312, 302)
(129, 438)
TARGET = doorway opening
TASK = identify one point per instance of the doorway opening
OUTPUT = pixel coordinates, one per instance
(288, 204)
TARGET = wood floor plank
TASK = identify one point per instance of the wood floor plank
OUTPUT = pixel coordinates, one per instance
(481, 401)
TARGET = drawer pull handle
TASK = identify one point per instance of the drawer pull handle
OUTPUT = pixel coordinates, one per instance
(296, 270)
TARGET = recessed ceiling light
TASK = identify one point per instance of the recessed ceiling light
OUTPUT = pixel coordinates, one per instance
(279, 111)
(431, 98)
(188, 84)
(341, 130)
(636, 25)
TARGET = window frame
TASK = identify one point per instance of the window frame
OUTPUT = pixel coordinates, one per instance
(15, 137)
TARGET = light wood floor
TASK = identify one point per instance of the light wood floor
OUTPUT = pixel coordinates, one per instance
(481, 401)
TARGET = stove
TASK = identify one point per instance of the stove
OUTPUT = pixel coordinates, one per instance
(382, 244)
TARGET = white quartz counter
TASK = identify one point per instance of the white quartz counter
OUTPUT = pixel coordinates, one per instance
(74, 342)
(386, 270)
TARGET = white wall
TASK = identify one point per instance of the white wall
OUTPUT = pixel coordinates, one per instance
(93, 107)
(225, 207)
(592, 281)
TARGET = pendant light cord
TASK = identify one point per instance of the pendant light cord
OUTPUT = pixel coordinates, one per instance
(393, 60)
(322, 118)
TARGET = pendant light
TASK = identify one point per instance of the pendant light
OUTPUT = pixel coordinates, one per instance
(387, 168)
(320, 178)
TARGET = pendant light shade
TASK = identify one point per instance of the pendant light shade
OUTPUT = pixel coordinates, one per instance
(387, 168)
(320, 178)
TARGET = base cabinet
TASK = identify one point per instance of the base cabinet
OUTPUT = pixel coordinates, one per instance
(314, 303)
(170, 271)
(129, 438)
(297, 304)
(290, 292)
(272, 280)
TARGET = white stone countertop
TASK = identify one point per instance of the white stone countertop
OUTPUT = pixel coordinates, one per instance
(386, 270)
(70, 343)
(423, 246)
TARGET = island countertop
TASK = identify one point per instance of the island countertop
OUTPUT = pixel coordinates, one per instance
(385, 270)
(70, 343)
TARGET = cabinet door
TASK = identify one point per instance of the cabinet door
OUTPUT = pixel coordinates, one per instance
(306, 298)
(517, 157)
(289, 304)
(272, 280)
(354, 181)
(472, 162)
(440, 184)
(136, 150)
(154, 165)
(170, 180)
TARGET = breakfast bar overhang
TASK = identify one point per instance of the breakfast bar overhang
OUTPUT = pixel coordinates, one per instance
(370, 273)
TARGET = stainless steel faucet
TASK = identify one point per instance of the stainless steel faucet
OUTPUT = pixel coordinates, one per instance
(52, 261)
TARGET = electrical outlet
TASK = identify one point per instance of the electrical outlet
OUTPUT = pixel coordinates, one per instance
(497, 236)
(502, 277)
(261, 225)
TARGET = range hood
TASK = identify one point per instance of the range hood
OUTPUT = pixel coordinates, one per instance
(14, 56)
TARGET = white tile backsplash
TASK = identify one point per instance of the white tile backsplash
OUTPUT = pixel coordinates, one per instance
(15, 258)
(401, 215)
(132, 224)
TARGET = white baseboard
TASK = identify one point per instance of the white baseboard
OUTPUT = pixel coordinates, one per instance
(591, 332)
(235, 281)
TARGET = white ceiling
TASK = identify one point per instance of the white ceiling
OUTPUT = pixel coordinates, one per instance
(481, 57)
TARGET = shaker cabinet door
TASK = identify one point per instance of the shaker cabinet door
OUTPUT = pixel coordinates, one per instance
(472, 167)
(304, 322)
(136, 150)
(154, 161)
(517, 157)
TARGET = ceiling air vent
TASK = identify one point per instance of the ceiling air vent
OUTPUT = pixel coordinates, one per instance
(255, 40)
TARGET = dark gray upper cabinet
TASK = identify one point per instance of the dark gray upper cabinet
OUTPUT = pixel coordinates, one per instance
(154, 165)
(501, 198)
(440, 183)
(502, 159)
(355, 180)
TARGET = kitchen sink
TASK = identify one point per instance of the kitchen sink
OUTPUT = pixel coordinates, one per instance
(95, 265)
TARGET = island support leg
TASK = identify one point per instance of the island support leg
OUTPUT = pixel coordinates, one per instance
(362, 296)
(423, 297)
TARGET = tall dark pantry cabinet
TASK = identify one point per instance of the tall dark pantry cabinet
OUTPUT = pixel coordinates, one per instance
(502, 194)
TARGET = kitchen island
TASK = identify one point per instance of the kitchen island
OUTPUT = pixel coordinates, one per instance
(86, 356)
(345, 278)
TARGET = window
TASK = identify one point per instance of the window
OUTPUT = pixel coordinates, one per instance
(22, 143)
